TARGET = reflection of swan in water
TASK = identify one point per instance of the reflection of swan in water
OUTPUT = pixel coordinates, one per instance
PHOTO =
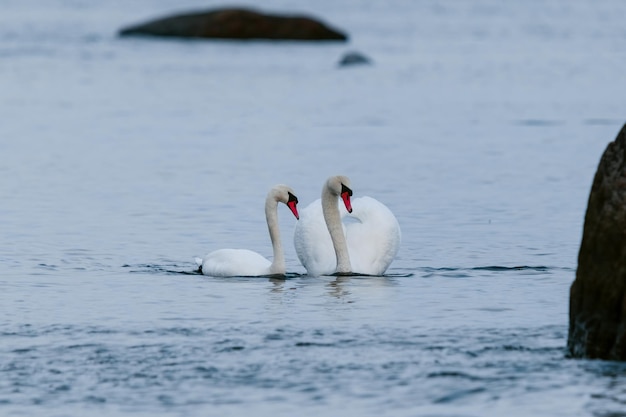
(278, 285)
(354, 289)
(244, 262)
(326, 246)
(337, 289)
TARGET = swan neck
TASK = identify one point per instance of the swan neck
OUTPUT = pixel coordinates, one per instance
(330, 209)
(271, 216)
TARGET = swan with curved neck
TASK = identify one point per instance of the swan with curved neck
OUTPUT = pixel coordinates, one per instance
(337, 186)
(244, 262)
(326, 245)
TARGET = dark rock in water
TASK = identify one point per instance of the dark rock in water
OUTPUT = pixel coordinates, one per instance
(597, 321)
(354, 58)
(235, 23)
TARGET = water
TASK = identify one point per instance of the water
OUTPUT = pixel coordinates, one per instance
(480, 125)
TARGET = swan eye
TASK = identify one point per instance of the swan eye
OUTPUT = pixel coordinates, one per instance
(345, 189)
(292, 198)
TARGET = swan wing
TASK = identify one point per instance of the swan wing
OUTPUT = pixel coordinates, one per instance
(373, 236)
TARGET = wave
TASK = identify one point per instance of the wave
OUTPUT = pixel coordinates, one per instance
(466, 272)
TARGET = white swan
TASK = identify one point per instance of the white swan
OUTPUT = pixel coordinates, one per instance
(366, 245)
(244, 262)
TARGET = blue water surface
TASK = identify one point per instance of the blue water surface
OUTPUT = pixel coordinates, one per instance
(480, 125)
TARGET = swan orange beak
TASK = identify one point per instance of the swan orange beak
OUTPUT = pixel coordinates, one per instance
(293, 205)
(294, 209)
(346, 193)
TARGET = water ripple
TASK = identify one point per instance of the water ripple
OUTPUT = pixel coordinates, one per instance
(453, 272)
(188, 366)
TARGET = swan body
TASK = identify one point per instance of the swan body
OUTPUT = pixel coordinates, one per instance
(363, 240)
(236, 262)
(244, 262)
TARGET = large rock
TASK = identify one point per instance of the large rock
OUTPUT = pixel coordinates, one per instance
(597, 327)
(235, 23)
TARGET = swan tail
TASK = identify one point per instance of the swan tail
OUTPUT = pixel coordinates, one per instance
(199, 264)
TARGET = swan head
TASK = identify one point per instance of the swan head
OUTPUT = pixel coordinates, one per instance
(284, 194)
(339, 185)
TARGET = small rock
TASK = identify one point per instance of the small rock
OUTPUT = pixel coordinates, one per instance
(237, 23)
(354, 58)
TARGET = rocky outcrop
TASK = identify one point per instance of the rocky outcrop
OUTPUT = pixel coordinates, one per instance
(597, 327)
(236, 23)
